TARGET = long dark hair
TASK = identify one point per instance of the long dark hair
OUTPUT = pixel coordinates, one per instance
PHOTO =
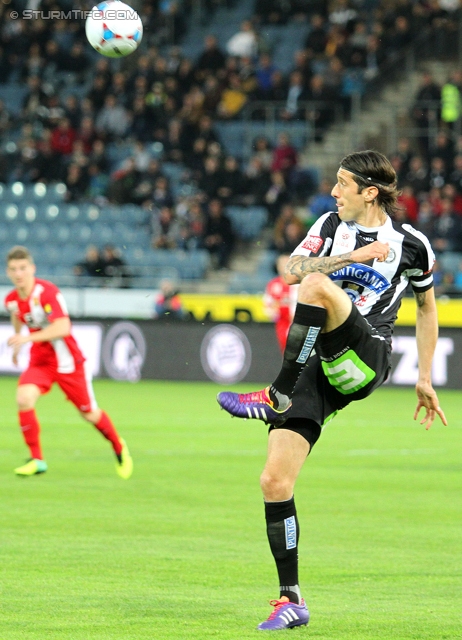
(372, 168)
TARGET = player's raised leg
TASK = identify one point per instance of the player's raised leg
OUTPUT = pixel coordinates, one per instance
(26, 397)
(321, 306)
(287, 452)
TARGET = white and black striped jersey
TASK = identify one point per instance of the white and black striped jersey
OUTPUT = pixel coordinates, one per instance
(376, 288)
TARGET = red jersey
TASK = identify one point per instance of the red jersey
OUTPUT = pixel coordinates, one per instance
(44, 305)
(278, 299)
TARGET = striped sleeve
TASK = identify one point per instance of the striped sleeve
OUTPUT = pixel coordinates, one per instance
(318, 241)
(421, 276)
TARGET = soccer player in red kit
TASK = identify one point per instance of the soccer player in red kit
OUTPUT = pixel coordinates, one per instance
(279, 302)
(54, 357)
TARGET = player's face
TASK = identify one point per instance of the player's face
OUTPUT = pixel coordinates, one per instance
(351, 203)
(21, 273)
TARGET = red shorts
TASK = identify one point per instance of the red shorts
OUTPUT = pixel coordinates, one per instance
(282, 330)
(77, 386)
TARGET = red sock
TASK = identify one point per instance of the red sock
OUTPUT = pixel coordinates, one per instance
(31, 432)
(108, 430)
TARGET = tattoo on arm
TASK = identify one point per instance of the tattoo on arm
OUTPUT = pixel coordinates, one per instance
(300, 266)
(420, 298)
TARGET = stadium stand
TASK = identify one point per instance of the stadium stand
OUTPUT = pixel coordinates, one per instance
(65, 182)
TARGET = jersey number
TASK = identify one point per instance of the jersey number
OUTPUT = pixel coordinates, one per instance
(348, 373)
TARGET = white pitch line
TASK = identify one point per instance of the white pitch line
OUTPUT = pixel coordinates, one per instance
(394, 452)
(200, 452)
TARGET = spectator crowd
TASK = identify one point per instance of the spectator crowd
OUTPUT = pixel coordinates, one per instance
(161, 107)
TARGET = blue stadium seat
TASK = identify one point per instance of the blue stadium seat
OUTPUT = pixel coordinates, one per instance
(40, 233)
(266, 262)
(71, 254)
(37, 192)
(81, 233)
(103, 234)
(71, 213)
(60, 233)
(14, 192)
(191, 265)
(450, 261)
(89, 212)
(133, 214)
(151, 277)
(237, 136)
(125, 233)
(129, 236)
(116, 154)
(13, 95)
(136, 256)
(156, 258)
(243, 283)
(142, 238)
(247, 222)
(9, 213)
(188, 264)
(60, 270)
(29, 212)
(291, 39)
(38, 251)
(172, 171)
(51, 213)
(56, 192)
(111, 214)
(52, 254)
(40, 192)
(21, 234)
(4, 233)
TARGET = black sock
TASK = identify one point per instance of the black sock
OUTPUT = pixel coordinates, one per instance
(283, 533)
(303, 333)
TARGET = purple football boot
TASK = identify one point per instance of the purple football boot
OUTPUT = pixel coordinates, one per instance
(255, 405)
(285, 615)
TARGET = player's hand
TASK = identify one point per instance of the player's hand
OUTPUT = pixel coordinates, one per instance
(17, 340)
(427, 398)
(15, 356)
(373, 251)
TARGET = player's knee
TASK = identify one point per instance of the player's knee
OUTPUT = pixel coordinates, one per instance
(314, 288)
(91, 416)
(274, 487)
(25, 400)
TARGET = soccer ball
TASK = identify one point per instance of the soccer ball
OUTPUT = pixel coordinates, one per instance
(114, 29)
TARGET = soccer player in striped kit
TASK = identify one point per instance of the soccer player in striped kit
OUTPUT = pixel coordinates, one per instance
(353, 268)
(54, 357)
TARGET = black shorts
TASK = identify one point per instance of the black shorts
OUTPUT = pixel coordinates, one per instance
(350, 362)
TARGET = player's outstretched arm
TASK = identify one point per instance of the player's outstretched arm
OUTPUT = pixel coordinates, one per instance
(300, 266)
(427, 336)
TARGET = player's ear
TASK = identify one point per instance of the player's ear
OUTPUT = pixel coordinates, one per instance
(370, 194)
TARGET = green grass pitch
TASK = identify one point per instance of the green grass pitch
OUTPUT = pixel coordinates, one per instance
(180, 551)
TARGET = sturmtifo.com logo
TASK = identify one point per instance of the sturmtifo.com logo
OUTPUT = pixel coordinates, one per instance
(124, 351)
(226, 354)
(75, 14)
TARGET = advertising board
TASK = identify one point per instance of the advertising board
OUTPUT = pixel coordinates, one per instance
(222, 352)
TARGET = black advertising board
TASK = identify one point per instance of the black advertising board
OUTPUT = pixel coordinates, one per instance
(223, 352)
